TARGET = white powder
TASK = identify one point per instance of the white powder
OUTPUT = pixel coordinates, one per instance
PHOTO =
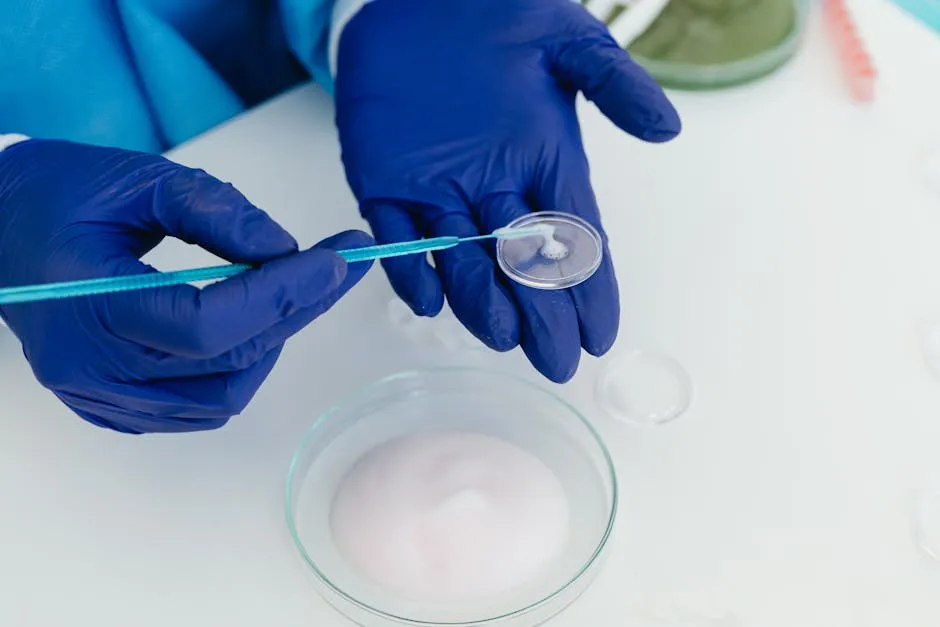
(454, 516)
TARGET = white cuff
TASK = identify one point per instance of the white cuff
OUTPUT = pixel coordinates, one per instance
(8, 140)
(343, 12)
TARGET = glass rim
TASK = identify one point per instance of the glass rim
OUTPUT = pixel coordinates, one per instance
(313, 431)
(732, 71)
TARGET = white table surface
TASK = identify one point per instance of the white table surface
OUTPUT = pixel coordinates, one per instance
(784, 249)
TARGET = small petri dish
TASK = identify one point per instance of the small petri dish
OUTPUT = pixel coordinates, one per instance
(430, 403)
(570, 255)
(644, 388)
(928, 525)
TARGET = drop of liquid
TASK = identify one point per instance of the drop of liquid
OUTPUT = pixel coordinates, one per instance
(567, 253)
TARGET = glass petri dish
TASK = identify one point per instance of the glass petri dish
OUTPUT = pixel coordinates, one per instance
(644, 388)
(713, 44)
(462, 399)
(568, 257)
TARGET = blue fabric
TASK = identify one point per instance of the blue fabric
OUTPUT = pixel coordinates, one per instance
(927, 11)
(307, 28)
(165, 61)
(148, 74)
(168, 359)
(458, 116)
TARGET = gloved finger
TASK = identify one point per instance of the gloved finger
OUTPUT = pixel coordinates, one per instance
(596, 300)
(202, 324)
(550, 337)
(172, 405)
(147, 363)
(412, 278)
(355, 272)
(471, 281)
(113, 422)
(591, 61)
(199, 209)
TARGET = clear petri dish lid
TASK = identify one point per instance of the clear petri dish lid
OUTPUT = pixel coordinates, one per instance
(569, 251)
(644, 388)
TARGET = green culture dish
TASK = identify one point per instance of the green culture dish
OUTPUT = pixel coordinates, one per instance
(713, 44)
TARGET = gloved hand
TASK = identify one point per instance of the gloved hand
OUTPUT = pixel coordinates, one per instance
(167, 359)
(457, 116)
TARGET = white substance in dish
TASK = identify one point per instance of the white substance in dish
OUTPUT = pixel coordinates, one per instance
(552, 248)
(452, 516)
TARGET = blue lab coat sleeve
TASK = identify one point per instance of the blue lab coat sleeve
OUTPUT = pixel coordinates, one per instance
(150, 74)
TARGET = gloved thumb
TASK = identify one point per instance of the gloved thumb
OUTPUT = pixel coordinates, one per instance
(280, 332)
(354, 272)
(199, 209)
(591, 61)
(276, 299)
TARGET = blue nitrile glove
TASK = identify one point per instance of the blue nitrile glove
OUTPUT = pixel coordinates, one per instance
(166, 359)
(457, 116)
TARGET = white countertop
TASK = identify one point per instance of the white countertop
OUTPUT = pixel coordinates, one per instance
(784, 249)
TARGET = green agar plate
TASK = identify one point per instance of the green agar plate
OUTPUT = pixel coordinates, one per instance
(713, 44)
